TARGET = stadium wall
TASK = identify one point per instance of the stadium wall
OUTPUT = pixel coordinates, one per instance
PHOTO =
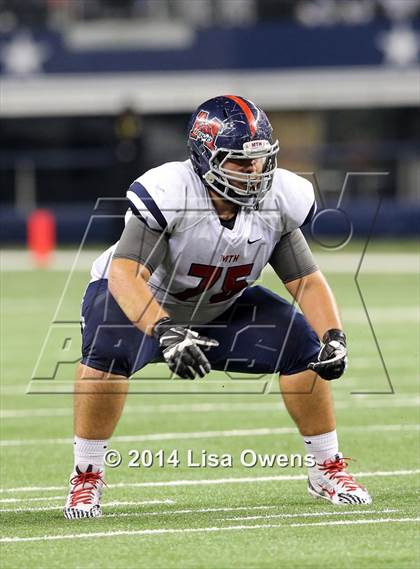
(382, 218)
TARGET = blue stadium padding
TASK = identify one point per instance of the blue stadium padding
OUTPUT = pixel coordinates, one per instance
(262, 46)
(394, 219)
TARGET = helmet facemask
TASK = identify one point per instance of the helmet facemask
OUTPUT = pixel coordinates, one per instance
(245, 189)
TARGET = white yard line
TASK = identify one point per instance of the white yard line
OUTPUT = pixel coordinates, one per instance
(161, 436)
(160, 531)
(308, 515)
(356, 522)
(247, 508)
(211, 481)
(161, 513)
(366, 403)
(149, 409)
(190, 511)
(28, 413)
(381, 314)
(261, 432)
(389, 312)
(48, 508)
(42, 499)
(204, 511)
(328, 261)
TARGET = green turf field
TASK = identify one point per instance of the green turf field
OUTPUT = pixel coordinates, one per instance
(212, 517)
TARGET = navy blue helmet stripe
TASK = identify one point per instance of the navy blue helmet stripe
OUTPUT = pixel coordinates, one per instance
(150, 203)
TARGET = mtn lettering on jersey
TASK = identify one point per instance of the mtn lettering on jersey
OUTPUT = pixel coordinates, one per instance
(229, 258)
(208, 266)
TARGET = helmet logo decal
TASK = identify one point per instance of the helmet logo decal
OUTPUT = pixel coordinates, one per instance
(206, 130)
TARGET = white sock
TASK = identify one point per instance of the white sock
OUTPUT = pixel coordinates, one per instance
(87, 451)
(322, 447)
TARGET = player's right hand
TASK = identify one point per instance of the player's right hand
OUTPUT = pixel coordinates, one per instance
(180, 348)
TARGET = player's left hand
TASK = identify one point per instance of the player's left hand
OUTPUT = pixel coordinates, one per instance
(332, 358)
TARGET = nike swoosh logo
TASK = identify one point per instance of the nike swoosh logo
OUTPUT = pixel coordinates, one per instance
(254, 240)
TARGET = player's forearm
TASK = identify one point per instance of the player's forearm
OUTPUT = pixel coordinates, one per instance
(128, 285)
(317, 302)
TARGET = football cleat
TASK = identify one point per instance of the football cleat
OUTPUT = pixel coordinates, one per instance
(84, 498)
(330, 481)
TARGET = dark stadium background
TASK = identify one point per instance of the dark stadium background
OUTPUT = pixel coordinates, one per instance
(338, 79)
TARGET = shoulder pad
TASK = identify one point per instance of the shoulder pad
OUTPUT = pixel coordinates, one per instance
(159, 195)
(294, 196)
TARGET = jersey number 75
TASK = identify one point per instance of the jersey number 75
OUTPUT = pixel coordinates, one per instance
(233, 282)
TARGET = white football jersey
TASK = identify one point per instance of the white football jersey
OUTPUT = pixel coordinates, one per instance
(207, 265)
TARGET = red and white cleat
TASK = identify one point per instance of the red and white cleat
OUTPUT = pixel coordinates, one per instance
(330, 481)
(84, 498)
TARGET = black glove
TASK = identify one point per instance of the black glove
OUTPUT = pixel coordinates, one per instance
(332, 358)
(180, 348)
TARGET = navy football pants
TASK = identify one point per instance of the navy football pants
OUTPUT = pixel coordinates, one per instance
(260, 333)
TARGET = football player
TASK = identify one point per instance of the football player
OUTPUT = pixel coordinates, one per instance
(177, 288)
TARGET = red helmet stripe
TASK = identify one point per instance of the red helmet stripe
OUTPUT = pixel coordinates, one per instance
(247, 111)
